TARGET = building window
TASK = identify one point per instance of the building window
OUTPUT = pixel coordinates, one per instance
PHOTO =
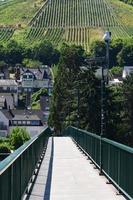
(5, 88)
(25, 76)
(30, 76)
(35, 122)
(24, 122)
(14, 122)
(28, 122)
(19, 122)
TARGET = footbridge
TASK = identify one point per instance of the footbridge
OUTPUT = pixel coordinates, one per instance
(75, 166)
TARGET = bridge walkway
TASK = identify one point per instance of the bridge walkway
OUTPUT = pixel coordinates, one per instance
(67, 174)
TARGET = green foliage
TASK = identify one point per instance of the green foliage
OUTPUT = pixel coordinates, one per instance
(116, 71)
(36, 105)
(71, 56)
(36, 95)
(128, 104)
(125, 56)
(5, 148)
(130, 2)
(70, 78)
(18, 137)
(45, 53)
(14, 53)
(115, 48)
(31, 63)
(98, 49)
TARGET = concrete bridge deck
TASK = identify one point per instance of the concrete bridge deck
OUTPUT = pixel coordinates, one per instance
(66, 174)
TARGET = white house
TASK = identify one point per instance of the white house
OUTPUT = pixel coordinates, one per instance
(127, 71)
(36, 78)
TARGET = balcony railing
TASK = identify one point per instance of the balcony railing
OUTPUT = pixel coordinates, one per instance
(117, 159)
(17, 169)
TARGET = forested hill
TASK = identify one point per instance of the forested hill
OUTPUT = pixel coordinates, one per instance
(72, 21)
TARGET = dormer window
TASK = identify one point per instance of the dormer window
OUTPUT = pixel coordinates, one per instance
(30, 77)
(25, 76)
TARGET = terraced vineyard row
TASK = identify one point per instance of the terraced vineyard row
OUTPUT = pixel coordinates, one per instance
(75, 13)
(71, 20)
(6, 33)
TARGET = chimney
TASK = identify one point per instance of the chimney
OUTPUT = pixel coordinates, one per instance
(10, 111)
(17, 73)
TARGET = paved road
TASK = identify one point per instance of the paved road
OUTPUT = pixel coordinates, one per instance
(66, 174)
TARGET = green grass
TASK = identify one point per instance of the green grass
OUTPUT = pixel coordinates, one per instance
(123, 11)
(14, 11)
(54, 70)
(36, 105)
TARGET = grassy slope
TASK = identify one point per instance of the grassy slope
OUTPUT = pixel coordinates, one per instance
(123, 11)
(18, 11)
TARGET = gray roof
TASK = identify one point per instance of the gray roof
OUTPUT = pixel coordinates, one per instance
(39, 73)
(7, 114)
(9, 100)
(26, 117)
(8, 82)
(21, 114)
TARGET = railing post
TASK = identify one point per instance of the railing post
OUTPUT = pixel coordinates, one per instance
(119, 166)
(101, 155)
(11, 183)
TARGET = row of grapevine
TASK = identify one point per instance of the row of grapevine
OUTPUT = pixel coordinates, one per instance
(72, 20)
(54, 35)
(6, 33)
(74, 13)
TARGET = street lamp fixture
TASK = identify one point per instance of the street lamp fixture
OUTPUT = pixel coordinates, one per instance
(107, 39)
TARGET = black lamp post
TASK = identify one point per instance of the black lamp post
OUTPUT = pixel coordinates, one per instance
(107, 38)
(101, 62)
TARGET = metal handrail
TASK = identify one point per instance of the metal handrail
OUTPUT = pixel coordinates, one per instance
(7, 162)
(117, 159)
(17, 169)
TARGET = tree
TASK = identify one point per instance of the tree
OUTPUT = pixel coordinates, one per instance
(125, 56)
(31, 63)
(2, 53)
(98, 49)
(115, 113)
(70, 81)
(115, 48)
(45, 53)
(18, 137)
(70, 59)
(128, 107)
(13, 53)
(90, 101)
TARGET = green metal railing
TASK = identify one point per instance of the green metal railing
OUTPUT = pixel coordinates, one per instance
(117, 159)
(17, 169)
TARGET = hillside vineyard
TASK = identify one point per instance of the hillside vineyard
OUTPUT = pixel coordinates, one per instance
(75, 21)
